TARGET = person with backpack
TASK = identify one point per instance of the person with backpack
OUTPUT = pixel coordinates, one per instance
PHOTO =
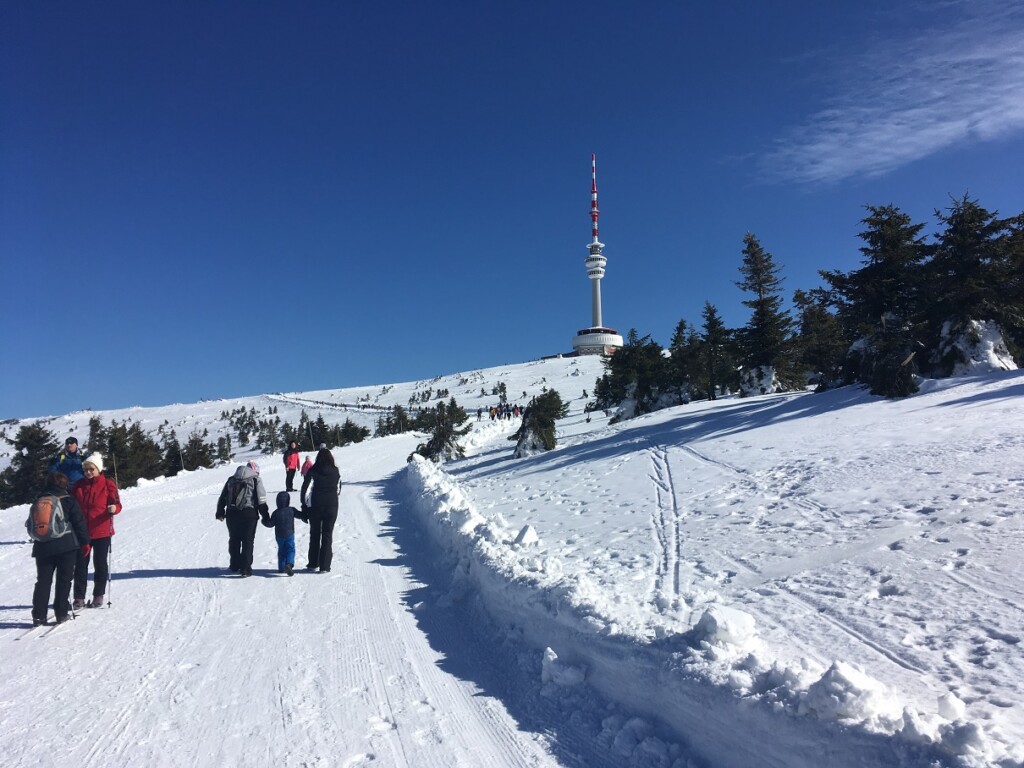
(99, 500)
(291, 465)
(58, 530)
(283, 523)
(241, 503)
(69, 462)
(322, 510)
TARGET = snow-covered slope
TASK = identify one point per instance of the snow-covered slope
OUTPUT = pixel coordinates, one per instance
(797, 580)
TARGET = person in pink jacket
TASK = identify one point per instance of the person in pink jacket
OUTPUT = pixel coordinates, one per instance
(306, 466)
(97, 495)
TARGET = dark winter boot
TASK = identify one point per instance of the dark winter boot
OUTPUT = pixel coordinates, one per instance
(97, 601)
(289, 569)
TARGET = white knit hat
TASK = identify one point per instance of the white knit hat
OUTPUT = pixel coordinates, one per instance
(96, 460)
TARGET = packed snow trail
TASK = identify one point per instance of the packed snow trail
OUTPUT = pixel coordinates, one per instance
(191, 666)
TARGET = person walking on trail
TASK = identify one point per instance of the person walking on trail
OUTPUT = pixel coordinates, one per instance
(291, 465)
(322, 509)
(241, 503)
(283, 522)
(306, 466)
(69, 462)
(97, 495)
(58, 555)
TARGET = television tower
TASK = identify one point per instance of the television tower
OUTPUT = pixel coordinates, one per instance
(595, 340)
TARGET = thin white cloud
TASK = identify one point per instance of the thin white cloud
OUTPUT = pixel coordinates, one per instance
(906, 99)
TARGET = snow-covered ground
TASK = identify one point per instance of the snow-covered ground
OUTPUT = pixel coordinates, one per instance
(789, 580)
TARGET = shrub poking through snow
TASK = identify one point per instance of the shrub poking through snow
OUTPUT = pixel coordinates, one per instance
(537, 432)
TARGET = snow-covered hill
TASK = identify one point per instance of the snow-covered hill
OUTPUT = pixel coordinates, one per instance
(798, 580)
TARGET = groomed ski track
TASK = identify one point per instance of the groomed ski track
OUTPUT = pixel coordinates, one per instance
(190, 666)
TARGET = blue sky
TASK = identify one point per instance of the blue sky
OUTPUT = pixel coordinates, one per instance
(203, 200)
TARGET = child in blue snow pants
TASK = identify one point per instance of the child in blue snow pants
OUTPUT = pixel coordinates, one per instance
(283, 522)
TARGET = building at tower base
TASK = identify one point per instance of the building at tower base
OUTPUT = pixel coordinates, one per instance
(596, 341)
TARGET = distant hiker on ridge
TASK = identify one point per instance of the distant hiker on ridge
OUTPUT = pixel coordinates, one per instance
(322, 510)
(241, 503)
(291, 464)
(97, 495)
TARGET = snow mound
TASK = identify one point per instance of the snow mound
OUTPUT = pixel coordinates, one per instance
(722, 625)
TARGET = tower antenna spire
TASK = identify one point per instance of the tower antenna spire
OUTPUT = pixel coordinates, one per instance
(594, 212)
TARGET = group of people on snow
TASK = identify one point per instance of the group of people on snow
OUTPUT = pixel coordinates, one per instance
(243, 504)
(89, 501)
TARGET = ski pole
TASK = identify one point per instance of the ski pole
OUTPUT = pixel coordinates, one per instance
(110, 570)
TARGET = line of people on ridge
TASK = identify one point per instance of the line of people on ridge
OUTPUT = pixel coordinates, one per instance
(501, 412)
(89, 501)
(242, 505)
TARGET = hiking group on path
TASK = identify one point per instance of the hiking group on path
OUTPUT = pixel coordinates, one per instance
(73, 519)
(243, 503)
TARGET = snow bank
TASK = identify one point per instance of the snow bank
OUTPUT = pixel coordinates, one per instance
(707, 683)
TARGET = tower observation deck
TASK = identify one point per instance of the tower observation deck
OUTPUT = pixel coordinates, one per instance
(595, 340)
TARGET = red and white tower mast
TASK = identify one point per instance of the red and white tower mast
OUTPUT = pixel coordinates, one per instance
(596, 339)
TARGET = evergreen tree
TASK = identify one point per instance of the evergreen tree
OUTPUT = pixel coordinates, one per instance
(35, 448)
(321, 432)
(224, 448)
(819, 346)
(197, 453)
(350, 432)
(537, 430)
(173, 462)
(683, 359)
(144, 458)
(443, 443)
(638, 378)
(880, 304)
(764, 343)
(1010, 275)
(715, 353)
(118, 450)
(97, 435)
(967, 279)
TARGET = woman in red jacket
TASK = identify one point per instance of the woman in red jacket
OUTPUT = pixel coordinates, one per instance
(97, 495)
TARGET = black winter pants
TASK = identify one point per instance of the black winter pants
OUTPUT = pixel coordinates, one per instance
(241, 535)
(289, 476)
(321, 538)
(101, 569)
(64, 566)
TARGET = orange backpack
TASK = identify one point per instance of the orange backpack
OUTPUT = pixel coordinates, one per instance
(46, 520)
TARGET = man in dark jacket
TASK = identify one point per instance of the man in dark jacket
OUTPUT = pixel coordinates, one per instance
(58, 555)
(241, 503)
(291, 465)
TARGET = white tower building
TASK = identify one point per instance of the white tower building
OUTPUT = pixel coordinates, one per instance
(595, 340)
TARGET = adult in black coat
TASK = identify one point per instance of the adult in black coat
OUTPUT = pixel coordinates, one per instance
(322, 511)
(58, 555)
